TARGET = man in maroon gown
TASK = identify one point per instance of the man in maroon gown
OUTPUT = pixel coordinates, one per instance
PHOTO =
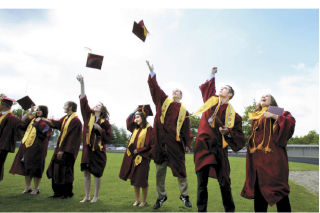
(210, 153)
(9, 124)
(66, 151)
(172, 138)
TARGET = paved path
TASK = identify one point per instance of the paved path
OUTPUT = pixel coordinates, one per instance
(307, 179)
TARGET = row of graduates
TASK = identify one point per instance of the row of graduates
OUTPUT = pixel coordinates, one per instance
(167, 142)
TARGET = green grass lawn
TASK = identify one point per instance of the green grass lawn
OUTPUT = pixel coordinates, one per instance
(118, 195)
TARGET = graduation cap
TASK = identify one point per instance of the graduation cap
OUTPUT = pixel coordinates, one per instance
(140, 30)
(94, 61)
(7, 101)
(145, 109)
(26, 102)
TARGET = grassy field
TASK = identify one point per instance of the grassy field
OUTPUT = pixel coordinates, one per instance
(117, 195)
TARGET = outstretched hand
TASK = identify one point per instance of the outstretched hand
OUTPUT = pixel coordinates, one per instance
(214, 70)
(80, 78)
(150, 66)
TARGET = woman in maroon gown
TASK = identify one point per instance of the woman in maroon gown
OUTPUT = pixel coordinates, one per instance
(267, 168)
(96, 134)
(136, 159)
(30, 159)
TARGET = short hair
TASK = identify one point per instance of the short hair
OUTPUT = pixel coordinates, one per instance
(44, 110)
(73, 106)
(231, 91)
(176, 89)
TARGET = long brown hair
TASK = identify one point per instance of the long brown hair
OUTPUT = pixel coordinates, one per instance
(144, 120)
(273, 103)
(104, 112)
(44, 110)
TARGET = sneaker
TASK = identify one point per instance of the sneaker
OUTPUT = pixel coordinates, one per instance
(159, 202)
(186, 201)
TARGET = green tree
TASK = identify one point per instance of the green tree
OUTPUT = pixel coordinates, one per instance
(246, 123)
(194, 125)
(311, 138)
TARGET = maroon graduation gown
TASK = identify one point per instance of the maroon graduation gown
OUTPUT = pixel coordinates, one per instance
(271, 168)
(8, 137)
(138, 174)
(208, 147)
(165, 146)
(62, 170)
(93, 159)
(34, 156)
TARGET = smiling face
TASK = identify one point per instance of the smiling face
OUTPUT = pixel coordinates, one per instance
(225, 92)
(138, 119)
(176, 95)
(39, 113)
(265, 100)
(97, 108)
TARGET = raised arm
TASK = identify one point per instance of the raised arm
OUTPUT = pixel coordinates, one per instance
(80, 79)
(208, 89)
(84, 105)
(130, 122)
(158, 95)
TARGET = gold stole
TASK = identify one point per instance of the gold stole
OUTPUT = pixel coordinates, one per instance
(140, 142)
(258, 117)
(181, 116)
(88, 135)
(30, 135)
(213, 100)
(65, 125)
(3, 116)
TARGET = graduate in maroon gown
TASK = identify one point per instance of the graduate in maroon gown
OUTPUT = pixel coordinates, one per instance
(9, 125)
(96, 134)
(172, 139)
(61, 168)
(220, 126)
(30, 159)
(267, 170)
(136, 159)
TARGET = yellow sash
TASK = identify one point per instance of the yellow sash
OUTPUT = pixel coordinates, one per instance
(65, 125)
(30, 135)
(213, 100)
(3, 116)
(258, 116)
(140, 142)
(181, 116)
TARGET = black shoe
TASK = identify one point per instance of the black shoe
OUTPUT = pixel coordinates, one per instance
(186, 201)
(55, 196)
(159, 202)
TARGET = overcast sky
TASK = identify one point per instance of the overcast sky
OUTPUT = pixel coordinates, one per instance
(257, 51)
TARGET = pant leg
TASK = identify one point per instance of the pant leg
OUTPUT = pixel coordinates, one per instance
(57, 188)
(3, 157)
(284, 205)
(227, 199)
(260, 204)
(202, 191)
(183, 186)
(161, 171)
(67, 189)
